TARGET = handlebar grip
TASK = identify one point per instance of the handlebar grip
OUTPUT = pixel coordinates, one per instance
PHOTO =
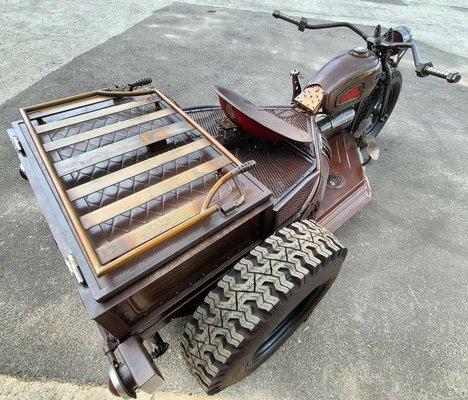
(244, 167)
(284, 17)
(450, 77)
(302, 23)
(140, 82)
(277, 14)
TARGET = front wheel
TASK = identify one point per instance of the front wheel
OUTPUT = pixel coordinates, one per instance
(260, 303)
(370, 109)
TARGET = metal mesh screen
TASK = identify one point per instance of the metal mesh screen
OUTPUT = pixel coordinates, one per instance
(279, 166)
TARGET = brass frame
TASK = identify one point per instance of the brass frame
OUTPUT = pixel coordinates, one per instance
(82, 235)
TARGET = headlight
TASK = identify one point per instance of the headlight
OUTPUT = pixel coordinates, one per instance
(402, 34)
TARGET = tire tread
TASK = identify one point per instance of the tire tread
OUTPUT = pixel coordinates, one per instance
(249, 294)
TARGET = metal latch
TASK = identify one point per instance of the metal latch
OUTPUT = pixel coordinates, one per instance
(18, 146)
(74, 268)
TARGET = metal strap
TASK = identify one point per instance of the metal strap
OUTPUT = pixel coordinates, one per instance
(43, 112)
(143, 196)
(94, 133)
(118, 176)
(95, 114)
(151, 229)
(123, 146)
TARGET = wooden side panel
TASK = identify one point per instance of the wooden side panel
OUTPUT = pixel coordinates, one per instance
(192, 269)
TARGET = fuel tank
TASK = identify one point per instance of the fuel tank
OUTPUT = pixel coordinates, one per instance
(347, 79)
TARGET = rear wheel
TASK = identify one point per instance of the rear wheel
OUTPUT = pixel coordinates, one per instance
(260, 303)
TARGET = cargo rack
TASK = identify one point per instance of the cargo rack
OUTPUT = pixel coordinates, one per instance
(77, 151)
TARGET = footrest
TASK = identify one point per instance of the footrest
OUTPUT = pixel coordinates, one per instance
(347, 188)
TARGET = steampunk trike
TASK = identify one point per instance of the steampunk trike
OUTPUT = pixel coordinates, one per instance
(223, 213)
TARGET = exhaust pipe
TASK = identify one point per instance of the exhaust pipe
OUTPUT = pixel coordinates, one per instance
(329, 125)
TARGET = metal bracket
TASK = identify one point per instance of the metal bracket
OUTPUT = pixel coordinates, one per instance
(18, 146)
(296, 84)
(74, 268)
(303, 24)
(158, 345)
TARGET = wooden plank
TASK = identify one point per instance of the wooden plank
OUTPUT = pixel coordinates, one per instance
(95, 114)
(68, 106)
(135, 169)
(94, 133)
(142, 234)
(100, 154)
(134, 200)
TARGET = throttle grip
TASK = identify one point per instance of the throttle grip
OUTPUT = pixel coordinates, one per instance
(276, 14)
(450, 77)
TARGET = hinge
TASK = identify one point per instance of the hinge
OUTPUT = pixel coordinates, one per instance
(74, 268)
(18, 146)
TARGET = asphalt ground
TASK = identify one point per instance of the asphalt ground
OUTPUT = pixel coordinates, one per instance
(395, 323)
(37, 37)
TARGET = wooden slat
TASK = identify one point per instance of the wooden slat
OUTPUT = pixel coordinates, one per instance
(154, 228)
(95, 114)
(94, 133)
(135, 169)
(67, 106)
(134, 200)
(122, 146)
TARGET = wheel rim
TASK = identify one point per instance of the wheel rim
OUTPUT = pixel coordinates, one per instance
(287, 327)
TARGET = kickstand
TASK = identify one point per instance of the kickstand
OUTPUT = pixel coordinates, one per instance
(159, 346)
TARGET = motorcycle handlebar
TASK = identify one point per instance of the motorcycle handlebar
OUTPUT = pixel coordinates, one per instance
(303, 24)
(426, 68)
(422, 68)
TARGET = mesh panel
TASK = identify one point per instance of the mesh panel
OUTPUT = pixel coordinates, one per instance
(278, 165)
(293, 206)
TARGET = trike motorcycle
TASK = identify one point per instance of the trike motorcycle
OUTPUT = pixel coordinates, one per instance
(224, 213)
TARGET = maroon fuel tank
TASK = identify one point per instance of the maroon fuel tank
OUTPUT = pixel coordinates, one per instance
(347, 79)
